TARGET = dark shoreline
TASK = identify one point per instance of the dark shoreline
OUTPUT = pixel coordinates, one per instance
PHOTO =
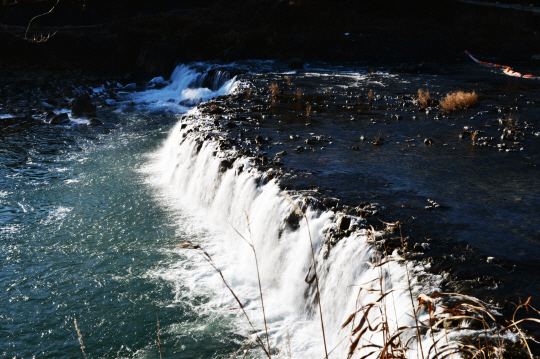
(150, 44)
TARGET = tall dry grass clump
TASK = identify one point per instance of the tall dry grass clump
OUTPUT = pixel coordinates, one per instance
(458, 100)
(274, 88)
(463, 327)
(424, 99)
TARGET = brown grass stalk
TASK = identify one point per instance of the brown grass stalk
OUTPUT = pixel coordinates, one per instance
(288, 79)
(308, 110)
(158, 338)
(80, 338)
(424, 99)
(274, 88)
(207, 257)
(299, 212)
(458, 100)
(258, 277)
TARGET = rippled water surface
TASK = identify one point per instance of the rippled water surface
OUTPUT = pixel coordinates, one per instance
(83, 238)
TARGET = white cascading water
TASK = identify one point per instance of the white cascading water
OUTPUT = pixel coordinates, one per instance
(187, 172)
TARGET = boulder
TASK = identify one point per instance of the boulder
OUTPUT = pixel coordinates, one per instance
(344, 223)
(83, 106)
(59, 119)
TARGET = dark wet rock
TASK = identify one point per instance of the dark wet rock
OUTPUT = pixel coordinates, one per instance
(278, 161)
(83, 106)
(230, 124)
(225, 164)
(344, 223)
(49, 116)
(94, 122)
(282, 153)
(378, 141)
(51, 102)
(429, 141)
(59, 119)
(300, 149)
(259, 139)
(296, 63)
(355, 148)
(520, 52)
(130, 87)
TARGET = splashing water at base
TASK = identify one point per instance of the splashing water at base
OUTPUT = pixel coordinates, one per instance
(189, 178)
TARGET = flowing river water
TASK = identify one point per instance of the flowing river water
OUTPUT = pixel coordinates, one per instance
(91, 220)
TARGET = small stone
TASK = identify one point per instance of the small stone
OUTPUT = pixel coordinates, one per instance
(94, 122)
(83, 106)
(59, 119)
(49, 116)
(429, 141)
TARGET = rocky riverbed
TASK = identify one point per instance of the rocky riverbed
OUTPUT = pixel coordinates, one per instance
(461, 184)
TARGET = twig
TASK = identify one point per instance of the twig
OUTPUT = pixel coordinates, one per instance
(258, 276)
(158, 338)
(35, 17)
(80, 337)
(207, 257)
(300, 212)
(410, 291)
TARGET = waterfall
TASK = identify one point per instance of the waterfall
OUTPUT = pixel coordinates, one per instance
(226, 192)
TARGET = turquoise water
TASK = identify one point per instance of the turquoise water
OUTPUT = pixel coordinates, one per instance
(82, 237)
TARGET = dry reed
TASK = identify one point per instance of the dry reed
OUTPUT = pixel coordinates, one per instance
(299, 212)
(424, 99)
(473, 137)
(80, 338)
(158, 338)
(442, 320)
(274, 88)
(370, 95)
(208, 259)
(288, 79)
(458, 100)
(512, 122)
(308, 110)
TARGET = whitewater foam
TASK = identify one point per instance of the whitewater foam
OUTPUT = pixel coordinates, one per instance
(188, 175)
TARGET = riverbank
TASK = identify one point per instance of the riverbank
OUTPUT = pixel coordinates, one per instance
(104, 40)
